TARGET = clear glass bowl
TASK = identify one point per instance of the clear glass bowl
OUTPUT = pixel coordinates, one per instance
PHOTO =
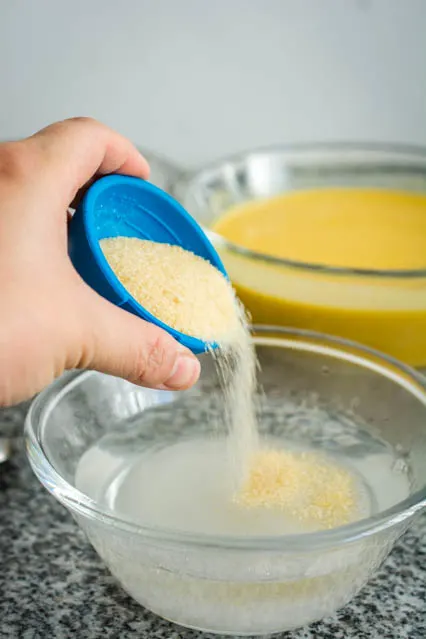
(320, 392)
(385, 310)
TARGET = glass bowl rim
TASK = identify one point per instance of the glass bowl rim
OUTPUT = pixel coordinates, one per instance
(80, 504)
(395, 150)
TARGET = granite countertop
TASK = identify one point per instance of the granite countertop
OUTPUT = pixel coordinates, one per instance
(54, 586)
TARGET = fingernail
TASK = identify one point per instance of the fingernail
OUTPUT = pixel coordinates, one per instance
(184, 374)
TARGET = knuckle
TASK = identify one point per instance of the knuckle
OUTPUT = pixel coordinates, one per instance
(154, 361)
(86, 121)
(155, 356)
(17, 161)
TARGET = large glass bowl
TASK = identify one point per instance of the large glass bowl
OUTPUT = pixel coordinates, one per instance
(323, 392)
(382, 309)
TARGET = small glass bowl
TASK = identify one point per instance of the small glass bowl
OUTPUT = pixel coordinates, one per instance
(321, 392)
(385, 310)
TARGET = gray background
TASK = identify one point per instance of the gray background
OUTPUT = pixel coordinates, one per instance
(195, 79)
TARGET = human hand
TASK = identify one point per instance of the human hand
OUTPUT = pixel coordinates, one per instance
(50, 320)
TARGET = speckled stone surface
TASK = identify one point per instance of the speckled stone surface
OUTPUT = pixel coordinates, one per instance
(53, 586)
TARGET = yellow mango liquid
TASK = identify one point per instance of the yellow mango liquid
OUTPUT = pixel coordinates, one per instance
(350, 228)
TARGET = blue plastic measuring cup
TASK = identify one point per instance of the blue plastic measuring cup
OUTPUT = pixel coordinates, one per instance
(123, 206)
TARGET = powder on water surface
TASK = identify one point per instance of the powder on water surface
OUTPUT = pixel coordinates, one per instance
(304, 485)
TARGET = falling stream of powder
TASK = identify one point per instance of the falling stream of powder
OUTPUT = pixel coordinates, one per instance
(236, 364)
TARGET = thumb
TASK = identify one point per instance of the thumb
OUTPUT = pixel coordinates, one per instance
(121, 344)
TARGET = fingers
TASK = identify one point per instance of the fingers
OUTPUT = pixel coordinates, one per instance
(63, 157)
(118, 343)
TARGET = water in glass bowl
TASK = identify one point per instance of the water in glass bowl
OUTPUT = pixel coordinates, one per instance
(171, 468)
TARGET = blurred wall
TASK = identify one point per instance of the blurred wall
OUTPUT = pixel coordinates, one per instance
(195, 79)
